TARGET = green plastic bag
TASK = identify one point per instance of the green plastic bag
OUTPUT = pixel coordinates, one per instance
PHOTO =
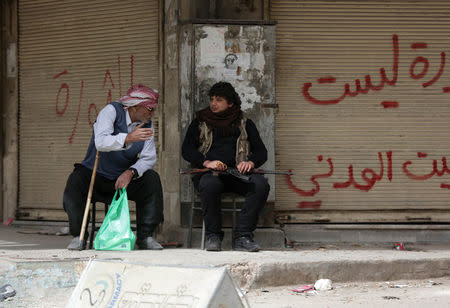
(115, 232)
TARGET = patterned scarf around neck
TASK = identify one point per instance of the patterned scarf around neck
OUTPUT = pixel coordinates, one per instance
(223, 123)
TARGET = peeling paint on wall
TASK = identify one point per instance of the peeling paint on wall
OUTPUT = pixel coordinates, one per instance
(185, 78)
(212, 47)
(234, 54)
(171, 51)
(248, 95)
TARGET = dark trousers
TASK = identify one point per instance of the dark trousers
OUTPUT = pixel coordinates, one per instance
(146, 191)
(255, 191)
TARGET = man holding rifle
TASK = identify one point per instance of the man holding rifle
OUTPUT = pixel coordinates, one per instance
(123, 133)
(220, 137)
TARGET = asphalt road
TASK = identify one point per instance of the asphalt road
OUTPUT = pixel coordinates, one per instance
(428, 293)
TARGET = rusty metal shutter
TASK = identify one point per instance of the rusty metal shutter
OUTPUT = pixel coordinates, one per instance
(74, 57)
(366, 154)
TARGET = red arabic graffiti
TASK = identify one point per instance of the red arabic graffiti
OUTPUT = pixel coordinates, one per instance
(369, 176)
(316, 189)
(434, 172)
(78, 112)
(424, 71)
(310, 204)
(385, 81)
(63, 86)
(370, 181)
(60, 109)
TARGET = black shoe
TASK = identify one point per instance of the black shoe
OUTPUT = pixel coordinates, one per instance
(245, 243)
(213, 243)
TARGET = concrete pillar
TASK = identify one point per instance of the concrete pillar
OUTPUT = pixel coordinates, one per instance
(10, 107)
(2, 98)
(170, 148)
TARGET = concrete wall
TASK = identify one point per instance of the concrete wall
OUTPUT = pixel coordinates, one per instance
(2, 98)
(253, 77)
(178, 84)
(9, 108)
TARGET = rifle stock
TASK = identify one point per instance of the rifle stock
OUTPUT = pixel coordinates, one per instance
(234, 172)
(194, 170)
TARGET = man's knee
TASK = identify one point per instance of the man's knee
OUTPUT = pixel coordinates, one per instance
(79, 179)
(73, 190)
(210, 184)
(151, 176)
(146, 187)
(150, 182)
(72, 181)
(260, 182)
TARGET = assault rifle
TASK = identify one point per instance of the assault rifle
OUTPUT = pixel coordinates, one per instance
(234, 172)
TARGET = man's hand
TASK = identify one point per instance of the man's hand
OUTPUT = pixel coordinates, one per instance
(245, 166)
(124, 179)
(139, 134)
(215, 165)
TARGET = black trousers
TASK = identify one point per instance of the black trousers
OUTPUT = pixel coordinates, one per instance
(146, 191)
(210, 186)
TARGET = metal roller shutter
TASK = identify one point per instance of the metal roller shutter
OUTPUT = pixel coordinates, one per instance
(74, 57)
(376, 153)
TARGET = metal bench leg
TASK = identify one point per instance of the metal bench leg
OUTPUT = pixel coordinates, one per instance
(233, 224)
(191, 218)
(203, 235)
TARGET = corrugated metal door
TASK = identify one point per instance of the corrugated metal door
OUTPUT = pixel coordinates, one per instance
(363, 118)
(74, 57)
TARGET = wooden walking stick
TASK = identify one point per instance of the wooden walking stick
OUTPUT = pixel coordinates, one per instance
(88, 202)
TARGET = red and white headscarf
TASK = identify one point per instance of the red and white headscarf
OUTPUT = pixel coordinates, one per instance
(140, 95)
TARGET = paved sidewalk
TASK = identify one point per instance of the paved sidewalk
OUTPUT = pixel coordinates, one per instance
(30, 260)
(37, 264)
(252, 270)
